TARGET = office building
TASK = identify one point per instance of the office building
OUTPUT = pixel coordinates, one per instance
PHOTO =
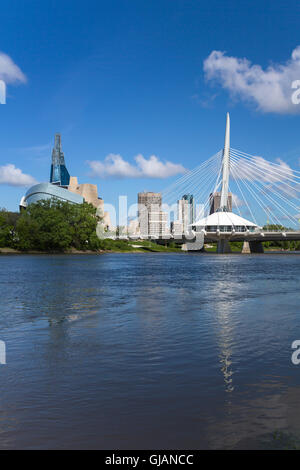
(152, 220)
(215, 201)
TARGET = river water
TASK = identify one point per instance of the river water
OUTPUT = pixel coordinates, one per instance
(145, 351)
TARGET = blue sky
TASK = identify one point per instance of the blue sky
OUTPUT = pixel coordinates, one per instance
(126, 77)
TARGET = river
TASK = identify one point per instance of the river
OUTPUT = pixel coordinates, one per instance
(149, 351)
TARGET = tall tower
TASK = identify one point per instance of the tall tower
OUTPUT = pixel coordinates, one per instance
(191, 203)
(59, 174)
(152, 220)
(225, 168)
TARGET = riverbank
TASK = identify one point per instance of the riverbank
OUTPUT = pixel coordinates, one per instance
(12, 252)
(109, 246)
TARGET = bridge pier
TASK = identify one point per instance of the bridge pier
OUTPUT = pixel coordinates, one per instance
(256, 247)
(246, 248)
(223, 247)
(252, 247)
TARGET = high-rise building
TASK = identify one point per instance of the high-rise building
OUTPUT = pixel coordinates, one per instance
(152, 220)
(59, 174)
(158, 221)
(177, 228)
(215, 202)
(190, 199)
(185, 211)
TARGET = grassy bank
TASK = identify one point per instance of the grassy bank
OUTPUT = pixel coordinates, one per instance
(104, 246)
(269, 247)
(142, 246)
(125, 246)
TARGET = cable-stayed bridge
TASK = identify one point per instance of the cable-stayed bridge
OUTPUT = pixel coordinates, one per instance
(251, 193)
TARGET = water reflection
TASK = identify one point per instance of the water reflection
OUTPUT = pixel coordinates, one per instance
(61, 301)
(221, 292)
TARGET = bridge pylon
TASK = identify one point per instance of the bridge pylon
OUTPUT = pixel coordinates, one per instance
(224, 225)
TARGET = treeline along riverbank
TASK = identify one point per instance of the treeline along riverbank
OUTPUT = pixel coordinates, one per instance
(60, 227)
(53, 226)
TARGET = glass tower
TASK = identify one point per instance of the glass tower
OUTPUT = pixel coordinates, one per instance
(59, 174)
(190, 199)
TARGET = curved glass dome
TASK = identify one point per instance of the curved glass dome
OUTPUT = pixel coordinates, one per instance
(49, 191)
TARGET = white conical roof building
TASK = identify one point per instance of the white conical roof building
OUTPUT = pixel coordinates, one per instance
(224, 222)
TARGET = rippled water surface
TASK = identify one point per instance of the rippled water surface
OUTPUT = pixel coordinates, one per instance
(149, 351)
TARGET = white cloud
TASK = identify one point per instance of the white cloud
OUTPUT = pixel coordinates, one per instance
(236, 201)
(288, 190)
(279, 177)
(13, 176)
(9, 71)
(270, 89)
(115, 166)
(259, 169)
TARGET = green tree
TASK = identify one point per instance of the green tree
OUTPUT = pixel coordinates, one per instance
(5, 231)
(54, 225)
(8, 221)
